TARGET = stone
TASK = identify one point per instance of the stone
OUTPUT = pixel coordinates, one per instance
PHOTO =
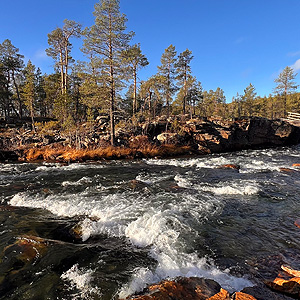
(264, 293)
(242, 296)
(229, 166)
(192, 288)
(290, 287)
(168, 138)
(290, 271)
(297, 223)
(222, 295)
(286, 170)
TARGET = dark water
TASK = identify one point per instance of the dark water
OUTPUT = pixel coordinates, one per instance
(104, 230)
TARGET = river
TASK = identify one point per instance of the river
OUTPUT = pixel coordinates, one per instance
(103, 230)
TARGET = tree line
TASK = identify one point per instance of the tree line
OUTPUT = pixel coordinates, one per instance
(108, 82)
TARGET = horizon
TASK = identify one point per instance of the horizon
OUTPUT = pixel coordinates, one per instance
(233, 44)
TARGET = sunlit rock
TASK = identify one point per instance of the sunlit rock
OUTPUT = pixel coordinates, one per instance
(181, 288)
(168, 138)
(290, 287)
(222, 295)
(290, 271)
(242, 296)
(192, 288)
(286, 170)
(229, 166)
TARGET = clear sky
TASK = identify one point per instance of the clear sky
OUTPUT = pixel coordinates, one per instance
(234, 42)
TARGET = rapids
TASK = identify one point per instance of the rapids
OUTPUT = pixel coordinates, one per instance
(103, 230)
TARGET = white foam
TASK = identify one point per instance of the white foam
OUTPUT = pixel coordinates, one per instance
(47, 167)
(182, 181)
(233, 189)
(81, 181)
(157, 222)
(168, 251)
(81, 280)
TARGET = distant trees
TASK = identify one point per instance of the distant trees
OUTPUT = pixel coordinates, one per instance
(108, 82)
(247, 100)
(285, 85)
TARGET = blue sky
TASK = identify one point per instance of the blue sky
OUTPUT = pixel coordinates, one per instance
(234, 42)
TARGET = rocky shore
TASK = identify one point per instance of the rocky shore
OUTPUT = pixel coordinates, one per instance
(163, 137)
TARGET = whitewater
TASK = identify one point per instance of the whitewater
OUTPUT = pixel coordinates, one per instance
(111, 228)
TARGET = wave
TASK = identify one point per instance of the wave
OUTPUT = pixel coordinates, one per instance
(80, 279)
(160, 223)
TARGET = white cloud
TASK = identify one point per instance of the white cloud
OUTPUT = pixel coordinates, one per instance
(40, 55)
(240, 40)
(291, 54)
(296, 65)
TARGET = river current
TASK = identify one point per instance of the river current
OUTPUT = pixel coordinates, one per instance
(104, 230)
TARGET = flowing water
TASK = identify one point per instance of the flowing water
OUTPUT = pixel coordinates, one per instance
(105, 230)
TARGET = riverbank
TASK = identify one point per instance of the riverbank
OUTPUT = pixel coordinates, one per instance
(176, 136)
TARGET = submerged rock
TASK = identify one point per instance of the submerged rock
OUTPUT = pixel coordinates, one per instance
(286, 170)
(229, 166)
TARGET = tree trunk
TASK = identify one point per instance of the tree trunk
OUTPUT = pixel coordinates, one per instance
(62, 77)
(18, 95)
(134, 104)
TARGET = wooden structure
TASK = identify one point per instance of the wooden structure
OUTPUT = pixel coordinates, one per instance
(293, 118)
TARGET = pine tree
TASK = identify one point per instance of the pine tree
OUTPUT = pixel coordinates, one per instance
(285, 85)
(107, 39)
(248, 99)
(167, 69)
(60, 48)
(183, 70)
(11, 67)
(135, 60)
(29, 90)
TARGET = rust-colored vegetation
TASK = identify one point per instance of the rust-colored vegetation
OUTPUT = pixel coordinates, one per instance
(136, 149)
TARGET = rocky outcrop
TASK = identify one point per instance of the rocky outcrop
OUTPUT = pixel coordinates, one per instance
(199, 136)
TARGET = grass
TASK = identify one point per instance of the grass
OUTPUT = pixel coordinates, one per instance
(67, 154)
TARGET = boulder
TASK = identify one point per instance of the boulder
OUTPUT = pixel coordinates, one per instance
(192, 288)
(8, 156)
(168, 138)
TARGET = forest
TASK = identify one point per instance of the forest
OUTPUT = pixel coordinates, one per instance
(108, 84)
